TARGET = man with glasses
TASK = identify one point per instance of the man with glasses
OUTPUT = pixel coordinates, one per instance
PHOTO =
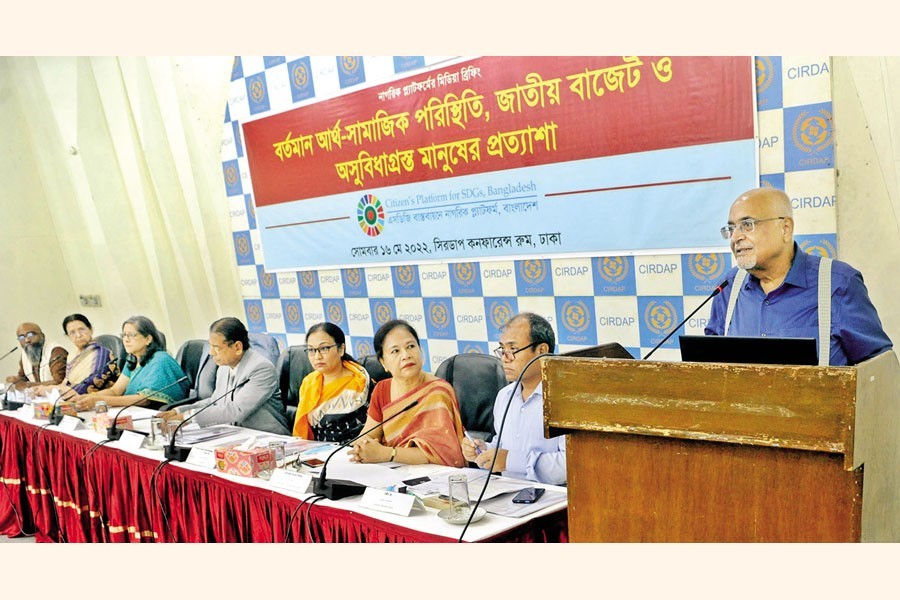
(774, 290)
(522, 452)
(246, 392)
(41, 362)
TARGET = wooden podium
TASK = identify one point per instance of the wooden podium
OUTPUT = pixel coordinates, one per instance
(699, 452)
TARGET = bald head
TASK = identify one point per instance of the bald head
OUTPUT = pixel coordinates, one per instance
(770, 199)
(24, 328)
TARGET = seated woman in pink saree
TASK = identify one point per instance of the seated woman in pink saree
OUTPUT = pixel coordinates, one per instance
(431, 431)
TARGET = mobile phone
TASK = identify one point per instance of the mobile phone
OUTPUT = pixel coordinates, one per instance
(312, 462)
(528, 495)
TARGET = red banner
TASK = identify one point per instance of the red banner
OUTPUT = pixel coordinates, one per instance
(497, 113)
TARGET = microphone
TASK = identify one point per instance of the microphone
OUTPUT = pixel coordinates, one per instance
(112, 432)
(55, 416)
(180, 453)
(10, 352)
(715, 293)
(341, 488)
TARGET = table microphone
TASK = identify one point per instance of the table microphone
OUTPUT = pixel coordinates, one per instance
(12, 404)
(715, 293)
(113, 432)
(55, 416)
(180, 453)
(341, 488)
(10, 352)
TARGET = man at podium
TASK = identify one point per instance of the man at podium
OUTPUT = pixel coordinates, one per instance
(523, 452)
(781, 297)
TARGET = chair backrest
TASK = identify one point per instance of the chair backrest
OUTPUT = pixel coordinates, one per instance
(266, 345)
(189, 357)
(114, 344)
(371, 364)
(476, 379)
(198, 365)
(292, 366)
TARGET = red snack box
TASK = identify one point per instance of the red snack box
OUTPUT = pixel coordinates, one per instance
(101, 422)
(246, 463)
(42, 409)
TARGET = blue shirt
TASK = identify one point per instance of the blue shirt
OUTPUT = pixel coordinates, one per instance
(791, 310)
(529, 454)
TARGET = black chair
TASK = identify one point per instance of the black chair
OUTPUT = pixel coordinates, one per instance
(114, 344)
(198, 365)
(266, 345)
(376, 372)
(476, 379)
(293, 365)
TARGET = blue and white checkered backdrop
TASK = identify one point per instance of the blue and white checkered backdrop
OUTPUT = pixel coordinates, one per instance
(458, 308)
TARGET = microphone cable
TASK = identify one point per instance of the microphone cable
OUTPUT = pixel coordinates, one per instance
(154, 483)
(287, 533)
(487, 479)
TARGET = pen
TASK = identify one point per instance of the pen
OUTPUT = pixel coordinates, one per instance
(471, 439)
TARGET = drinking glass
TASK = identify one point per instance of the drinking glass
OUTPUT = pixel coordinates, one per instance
(459, 497)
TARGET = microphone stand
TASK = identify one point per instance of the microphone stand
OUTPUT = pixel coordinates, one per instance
(12, 404)
(113, 432)
(55, 416)
(336, 489)
(180, 453)
(715, 293)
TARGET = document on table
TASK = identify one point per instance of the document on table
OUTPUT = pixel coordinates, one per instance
(498, 485)
(504, 506)
(205, 434)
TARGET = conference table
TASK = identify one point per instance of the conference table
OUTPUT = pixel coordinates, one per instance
(65, 486)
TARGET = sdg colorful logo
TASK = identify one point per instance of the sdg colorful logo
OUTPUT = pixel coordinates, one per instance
(370, 214)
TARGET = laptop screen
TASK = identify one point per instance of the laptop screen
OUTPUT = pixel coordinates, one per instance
(754, 350)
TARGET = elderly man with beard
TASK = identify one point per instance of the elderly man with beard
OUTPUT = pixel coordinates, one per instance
(775, 289)
(42, 362)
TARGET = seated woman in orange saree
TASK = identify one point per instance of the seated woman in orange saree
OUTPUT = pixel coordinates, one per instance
(430, 431)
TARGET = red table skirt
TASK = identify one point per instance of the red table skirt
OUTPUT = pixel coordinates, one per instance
(62, 488)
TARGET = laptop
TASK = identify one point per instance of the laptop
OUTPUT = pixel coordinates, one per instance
(754, 350)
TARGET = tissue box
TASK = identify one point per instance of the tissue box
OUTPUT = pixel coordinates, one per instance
(42, 409)
(101, 422)
(246, 463)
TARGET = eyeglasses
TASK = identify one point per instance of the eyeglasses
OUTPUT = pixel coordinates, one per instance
(322, 350)
(79, 331)
(129, 336)
(30, 335)
(509, 353)
(745, 226)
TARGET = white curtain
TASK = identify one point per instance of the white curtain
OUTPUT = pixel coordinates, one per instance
(111, 184)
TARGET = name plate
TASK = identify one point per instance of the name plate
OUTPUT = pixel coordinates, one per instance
(288, 479)
(131, 440)
(389, 502)
(69, 423)
(202, 457)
